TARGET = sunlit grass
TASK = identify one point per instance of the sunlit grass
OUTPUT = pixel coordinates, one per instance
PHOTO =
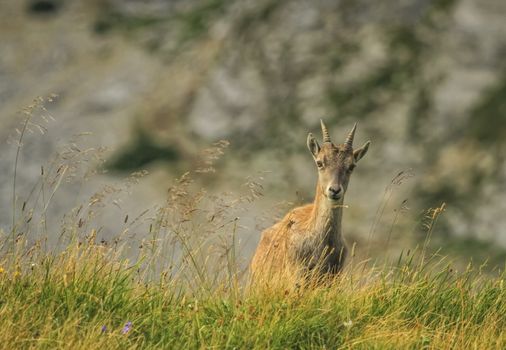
(84, 297)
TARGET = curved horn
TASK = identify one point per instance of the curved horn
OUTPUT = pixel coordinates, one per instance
(350, 137)
(325, 132)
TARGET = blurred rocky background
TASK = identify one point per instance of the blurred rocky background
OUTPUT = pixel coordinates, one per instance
(154, 82)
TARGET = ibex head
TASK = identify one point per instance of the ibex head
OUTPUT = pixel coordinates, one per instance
(335, 162)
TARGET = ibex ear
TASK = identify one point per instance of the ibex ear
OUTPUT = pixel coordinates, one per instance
(313, 145)
(360, 152)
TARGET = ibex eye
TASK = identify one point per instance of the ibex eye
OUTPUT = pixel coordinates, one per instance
(319, 164)
(352, 166)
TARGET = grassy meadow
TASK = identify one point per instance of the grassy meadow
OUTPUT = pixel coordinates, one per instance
(84, 298)
(184, 283)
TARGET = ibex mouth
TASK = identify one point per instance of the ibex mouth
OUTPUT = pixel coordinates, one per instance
(334, 198)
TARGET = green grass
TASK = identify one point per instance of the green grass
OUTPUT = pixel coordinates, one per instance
(64, 300)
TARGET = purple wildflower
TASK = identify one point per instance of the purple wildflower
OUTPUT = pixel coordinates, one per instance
(126, 328)
(104, 328)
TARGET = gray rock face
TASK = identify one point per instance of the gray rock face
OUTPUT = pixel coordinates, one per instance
(417, 76)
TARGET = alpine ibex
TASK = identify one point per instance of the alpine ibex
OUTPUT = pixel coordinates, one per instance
(310, 236)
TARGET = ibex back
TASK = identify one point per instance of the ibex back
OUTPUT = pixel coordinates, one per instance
(310, 237)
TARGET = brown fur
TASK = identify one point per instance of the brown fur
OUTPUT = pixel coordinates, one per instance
(310, 237)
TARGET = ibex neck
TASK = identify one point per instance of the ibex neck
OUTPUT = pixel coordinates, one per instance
(327, 216)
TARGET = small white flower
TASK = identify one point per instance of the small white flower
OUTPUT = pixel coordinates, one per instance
(348, 323)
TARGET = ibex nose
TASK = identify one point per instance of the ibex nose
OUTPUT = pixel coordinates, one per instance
(335, 192)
